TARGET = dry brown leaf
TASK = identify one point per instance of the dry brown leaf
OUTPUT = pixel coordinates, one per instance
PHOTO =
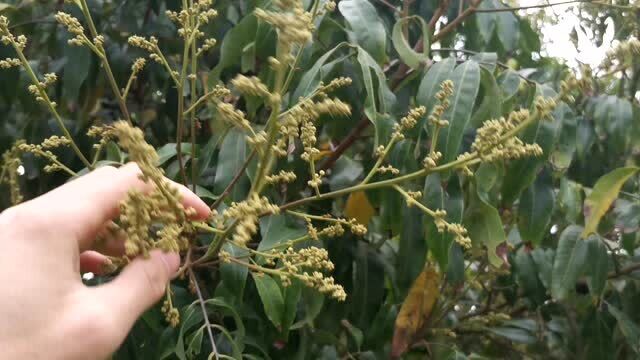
(358, 207)
(416, 309)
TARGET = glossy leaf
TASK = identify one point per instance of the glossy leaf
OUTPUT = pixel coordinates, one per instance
(604, 192)
(485, 227)
(367, 29)
(598, 265)
(535, 210)
(271, 297)
(233, 153)
(450, 200)
(466, 82)
(627, 327)
(412, 58)
(570, 261)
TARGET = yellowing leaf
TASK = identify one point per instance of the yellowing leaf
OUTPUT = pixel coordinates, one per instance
(358, 207)
(416, 309)
(604, 193)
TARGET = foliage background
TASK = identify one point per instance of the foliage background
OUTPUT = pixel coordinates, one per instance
(565, 296)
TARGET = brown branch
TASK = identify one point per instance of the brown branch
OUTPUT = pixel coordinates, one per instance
(438, 14)
(233, 182)
(346, 143)
(400, 74)
(459, 19)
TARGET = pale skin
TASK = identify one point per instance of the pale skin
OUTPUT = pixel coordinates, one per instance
(46, 311)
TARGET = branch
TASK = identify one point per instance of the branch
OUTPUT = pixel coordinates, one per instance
(214, 349)
(233, 182)
(459, 19)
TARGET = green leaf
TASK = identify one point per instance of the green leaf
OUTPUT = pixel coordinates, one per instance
(613, 117)
(412, 58)
(466, 82)
(516, 335)
(491, 105)
(627, 327)
(527, 275)
(431, 81)
(234, 275)
(604, 192)
(450, 200)
(535, 210)
(367, 29)
(194, 342)
(276, 230)
(521, 173)
(291, 296)
(598, 265)
(378, 101)
(233, 153)
(598, 337)
(571, 257)
(488, 60)
(271, 297)
(567, 143)
(345, 173)
(485, 227)
(412, 247)
(503, 23)
(76, 70)
(233, 45)
(168, 151)
(570, 200)
(311, 79)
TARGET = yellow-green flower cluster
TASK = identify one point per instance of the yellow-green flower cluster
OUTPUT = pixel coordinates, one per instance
(624, 53)
(247, 213)
(298, 264)
(43, 150)
(408, 122)
(431, 160)
(9, 63)
(336, 228)
(251, 86)
(7, 38)
(388, 169)
(282, 177)
(9, 171)
(294, 25)
(233, 116)
(160, 207)
(446, 90)
(494, 143)
(458, 231)
(189, 20)
(73, 26)
(171, 314)
(137, 66)
(35, 89)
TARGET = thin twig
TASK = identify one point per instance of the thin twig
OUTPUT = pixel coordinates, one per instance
(235, 179)
(214, 349)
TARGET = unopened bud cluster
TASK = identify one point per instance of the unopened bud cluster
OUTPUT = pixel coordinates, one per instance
(154, 219)
(43, 151)
(247, 214)
(9, 171)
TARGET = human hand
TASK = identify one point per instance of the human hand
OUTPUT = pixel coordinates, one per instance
(46, 311)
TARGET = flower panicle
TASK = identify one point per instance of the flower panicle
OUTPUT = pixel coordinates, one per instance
(10, 171)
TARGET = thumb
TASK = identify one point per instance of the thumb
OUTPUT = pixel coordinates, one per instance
(139, 286)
